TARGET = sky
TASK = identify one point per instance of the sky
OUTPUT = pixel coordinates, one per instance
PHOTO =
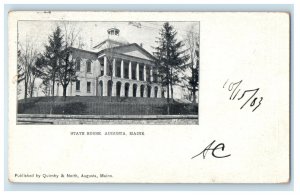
(92, 33)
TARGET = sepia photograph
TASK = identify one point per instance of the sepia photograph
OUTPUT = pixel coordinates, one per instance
(133, 72)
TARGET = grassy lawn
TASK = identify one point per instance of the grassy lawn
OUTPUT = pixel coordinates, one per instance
(94, 105)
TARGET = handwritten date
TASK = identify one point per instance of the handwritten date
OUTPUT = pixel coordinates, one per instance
(250, 96)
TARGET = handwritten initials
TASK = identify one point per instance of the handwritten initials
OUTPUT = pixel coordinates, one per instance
(220, 146)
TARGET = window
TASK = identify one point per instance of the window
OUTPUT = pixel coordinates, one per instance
(88, 66)
(88, 87)
(77, 85)
(77, 64)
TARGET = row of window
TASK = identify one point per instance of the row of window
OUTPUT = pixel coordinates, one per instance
(88, 65)
(88, 86)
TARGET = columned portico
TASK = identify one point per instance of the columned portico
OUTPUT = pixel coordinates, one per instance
(128, 88)
(123, 83)
(127, 71)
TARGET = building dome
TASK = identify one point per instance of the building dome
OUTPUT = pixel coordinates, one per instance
(113, 40)
(114, 35)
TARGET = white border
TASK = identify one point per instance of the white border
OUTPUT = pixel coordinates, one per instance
(296, 68)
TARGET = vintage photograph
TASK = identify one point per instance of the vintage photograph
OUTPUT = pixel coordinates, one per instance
(136, 72)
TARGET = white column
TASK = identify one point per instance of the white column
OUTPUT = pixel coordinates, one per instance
(114, 89)
(57, 89)
(70, 88)
(105, 66)
(129, 70)
(145, 73)
(146, 91)
(98, 67)
(159, 92)
(122, 69)
(138, 92)
(96, 86)
(130, 90)
(152, 94)
(151, 74)
(104, 85)
(137, 71)
(122, 92)
(114, 68)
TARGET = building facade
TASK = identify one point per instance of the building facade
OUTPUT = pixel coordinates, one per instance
(114, 67)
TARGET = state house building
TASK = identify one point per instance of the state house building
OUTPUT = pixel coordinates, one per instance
(132, 69)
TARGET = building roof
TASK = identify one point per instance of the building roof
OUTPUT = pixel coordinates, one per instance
(110, 42)
(121, 48)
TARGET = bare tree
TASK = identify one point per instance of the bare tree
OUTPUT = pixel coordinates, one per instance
(20, 67)
(27, 55)
(67, 64)
(192, 43)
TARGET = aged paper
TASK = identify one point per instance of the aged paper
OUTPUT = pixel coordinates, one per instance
(92, 102)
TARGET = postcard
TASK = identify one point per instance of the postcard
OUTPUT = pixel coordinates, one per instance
(149, 97)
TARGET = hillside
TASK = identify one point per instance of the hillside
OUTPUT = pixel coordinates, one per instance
(93, 105)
